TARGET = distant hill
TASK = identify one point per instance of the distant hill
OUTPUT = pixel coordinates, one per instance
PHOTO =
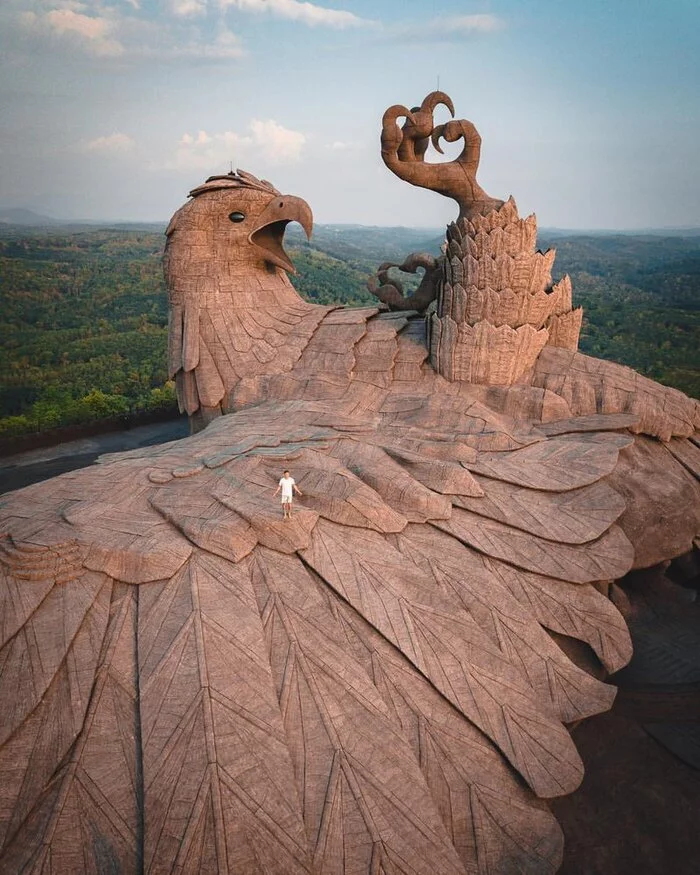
(365, 243)
(680, 231)
(20, 216)
(351, 237)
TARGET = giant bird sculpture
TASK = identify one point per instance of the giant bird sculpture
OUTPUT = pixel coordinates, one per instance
(383, 683)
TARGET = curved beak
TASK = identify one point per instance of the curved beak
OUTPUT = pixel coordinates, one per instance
(268, 233)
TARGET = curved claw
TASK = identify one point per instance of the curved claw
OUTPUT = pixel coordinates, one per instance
(416, 260)
(417, 130)
(403, 153)
(390, 291)
(386, 280)
(383, 271)
(395, 112)
(453, 131)
(437, 133)
(461, 128)
(387, 293)
(386, 265)
(392, 135)
(435, 99)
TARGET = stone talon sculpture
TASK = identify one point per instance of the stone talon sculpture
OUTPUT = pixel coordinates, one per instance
(383, 683)
(390, 291)
(497, 308)
(403, 152)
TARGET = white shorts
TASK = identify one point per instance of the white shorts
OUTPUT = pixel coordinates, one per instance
(286, 499)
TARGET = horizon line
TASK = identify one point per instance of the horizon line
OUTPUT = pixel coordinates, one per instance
(56, 223)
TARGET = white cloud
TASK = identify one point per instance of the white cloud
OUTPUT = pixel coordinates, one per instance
(163, 44)
(114, 144)
(225, 46)
(64, 20)
(187, 8)
(205, 151)
(446, 29)
(298, 10)
(95, 33)
(279, 145)
(265, 141)
(106, 32)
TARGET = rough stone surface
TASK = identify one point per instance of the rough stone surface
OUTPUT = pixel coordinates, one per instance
(192, 684)
(662, 501)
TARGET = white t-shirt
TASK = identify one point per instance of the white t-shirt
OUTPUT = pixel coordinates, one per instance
(287, 483)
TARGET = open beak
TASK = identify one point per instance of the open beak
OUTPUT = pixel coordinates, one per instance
(269, 231)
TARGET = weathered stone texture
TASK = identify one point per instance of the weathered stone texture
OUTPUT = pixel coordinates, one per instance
(190, 683)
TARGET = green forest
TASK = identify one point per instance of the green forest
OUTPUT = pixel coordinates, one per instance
(84, 311)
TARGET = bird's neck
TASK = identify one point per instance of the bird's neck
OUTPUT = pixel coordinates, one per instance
(241, 288)
(238, 329)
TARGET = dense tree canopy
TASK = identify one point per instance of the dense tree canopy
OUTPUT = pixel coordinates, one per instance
(84, 313)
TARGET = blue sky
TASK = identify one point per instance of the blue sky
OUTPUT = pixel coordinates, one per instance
(114, 109)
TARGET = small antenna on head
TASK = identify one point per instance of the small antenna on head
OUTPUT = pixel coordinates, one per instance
(230, 164)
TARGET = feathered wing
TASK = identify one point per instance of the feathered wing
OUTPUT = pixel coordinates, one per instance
(368, 687)
(65, 709)
(591, 385)
(72, 553)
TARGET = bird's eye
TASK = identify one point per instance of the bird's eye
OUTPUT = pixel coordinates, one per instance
(237, 216)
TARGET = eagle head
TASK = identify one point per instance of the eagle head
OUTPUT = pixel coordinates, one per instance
(232, 225)
(235, 318)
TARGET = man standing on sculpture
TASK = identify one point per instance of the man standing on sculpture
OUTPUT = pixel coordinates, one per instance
(288, 486)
